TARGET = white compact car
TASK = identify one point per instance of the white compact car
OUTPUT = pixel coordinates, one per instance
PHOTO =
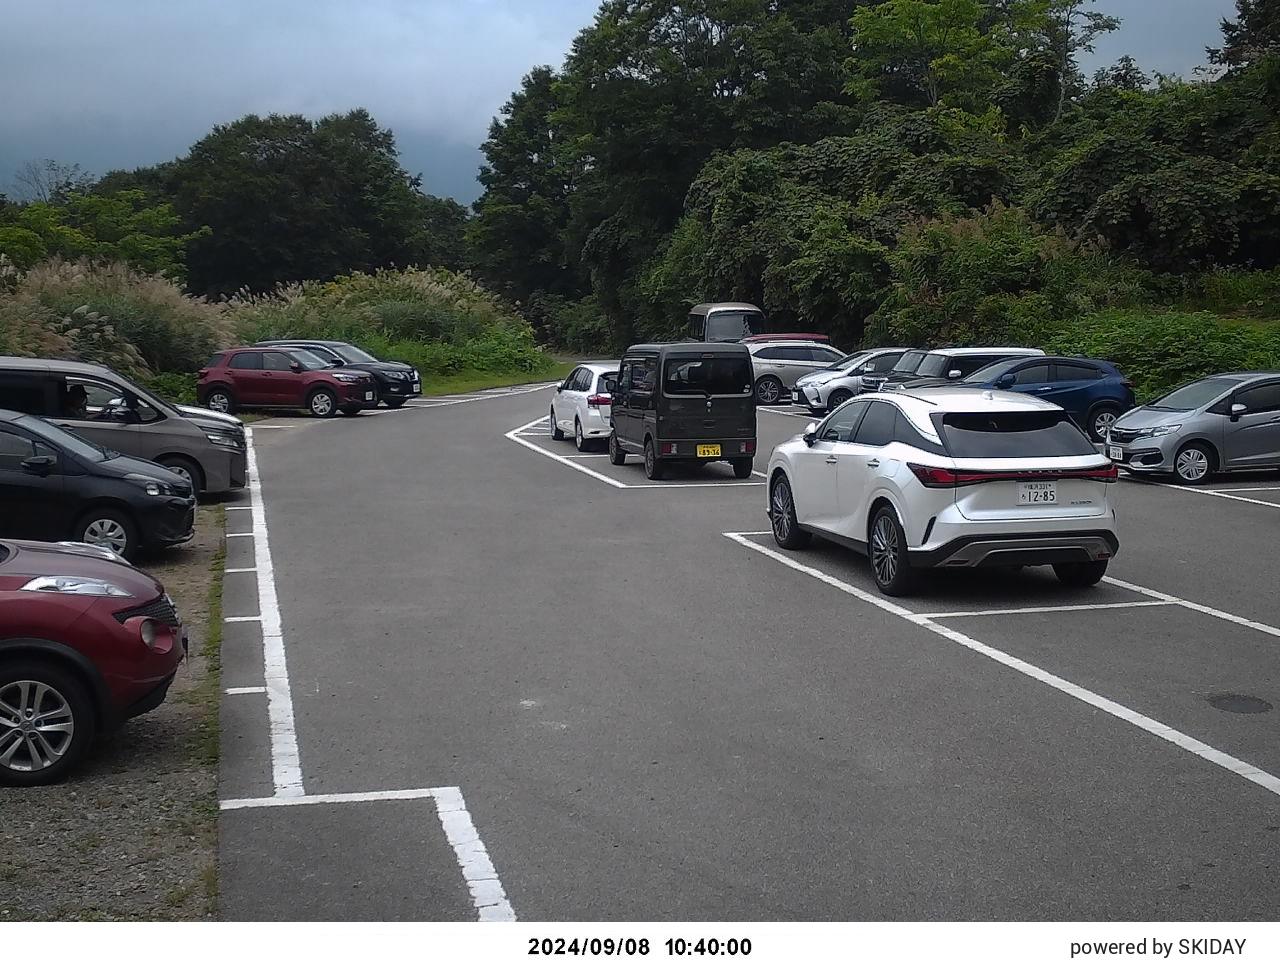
(825, 390)
(582, 403)
(948, 477)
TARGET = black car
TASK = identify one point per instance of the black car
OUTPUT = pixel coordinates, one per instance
(396, 382)
(56, 486)
(690, 402)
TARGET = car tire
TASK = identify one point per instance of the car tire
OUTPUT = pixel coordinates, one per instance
(782, 515)
(654, 468)
(1193, 464)
(1086, 574)
(768, 391)
(887, 553)
(322, 403)
(742, 467)
(1100, 420)
(220, 401)
(186, 468)
(108, 528)
(62, 694)
(394, 403)
(579, 441)
(838, 398)
(617, 456)
(556, 432)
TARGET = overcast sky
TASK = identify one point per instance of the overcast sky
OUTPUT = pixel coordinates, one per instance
(121, 83)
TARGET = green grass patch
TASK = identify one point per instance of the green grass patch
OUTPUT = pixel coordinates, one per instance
(466, 381)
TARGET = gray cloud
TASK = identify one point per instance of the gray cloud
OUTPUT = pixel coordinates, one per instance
(131, 82)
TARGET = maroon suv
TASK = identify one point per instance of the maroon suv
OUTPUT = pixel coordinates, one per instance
(273, 377)
(86, 641)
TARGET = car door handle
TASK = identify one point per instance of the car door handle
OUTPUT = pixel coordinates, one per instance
(872, 464)
(1043, 389)
(833, 459)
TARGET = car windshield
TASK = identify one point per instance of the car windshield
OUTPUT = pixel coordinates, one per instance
(992, 371)
(934, 365)
(909, 362)
(82, 448)
(309, 360)
(707, 375)
(1196, 395)
(999, 435)
(729, 326)
(352, 354)
(849, 362)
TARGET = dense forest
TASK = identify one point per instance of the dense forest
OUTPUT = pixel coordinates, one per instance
(908, 171)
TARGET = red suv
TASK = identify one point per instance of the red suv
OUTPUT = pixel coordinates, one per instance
(272, 377)
(86, 642)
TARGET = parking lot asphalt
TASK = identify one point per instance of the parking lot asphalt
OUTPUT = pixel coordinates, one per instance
(606, 708)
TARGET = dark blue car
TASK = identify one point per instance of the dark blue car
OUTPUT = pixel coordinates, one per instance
(1094, 392)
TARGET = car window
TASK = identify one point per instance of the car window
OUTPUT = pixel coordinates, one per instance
(277, 361)
(1036, 373)
(585, 379)
(349, 353)
(934, 365)
(246, 361)
(904, 431)
(213, 361)
(699, 376)
(309, 360)
(883, 363)
(1032, 434)
(769, 353)
(14, 448)
(802, 354)
(25, 394)
(909, 362)
(1077, 371)
(568, 381)
(605, 383)
(878, 426)
(1196, 394)
(642, 375)
(839, 427)
(825, 354)
(65, 440)
(1264, 398)
(968, 365)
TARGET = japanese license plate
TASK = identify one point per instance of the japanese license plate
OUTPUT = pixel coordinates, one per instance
(368, 394)
(1115, 453)
(708, 449)
(1044, 491)
(417, 388)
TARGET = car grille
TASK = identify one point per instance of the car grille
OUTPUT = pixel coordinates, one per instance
(161, 609)
(1123, 436)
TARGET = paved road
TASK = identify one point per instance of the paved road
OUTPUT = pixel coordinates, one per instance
(649, 720)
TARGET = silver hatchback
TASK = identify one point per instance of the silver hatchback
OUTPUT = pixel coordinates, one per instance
(1227, 422)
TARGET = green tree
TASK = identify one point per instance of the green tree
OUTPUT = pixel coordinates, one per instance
(1254, 35)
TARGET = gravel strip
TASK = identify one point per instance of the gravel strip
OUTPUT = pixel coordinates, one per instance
(133, 833)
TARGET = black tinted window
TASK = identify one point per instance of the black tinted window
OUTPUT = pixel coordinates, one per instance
(878, 426)
(840, 426)
(804, 354)
(14, 449)
(1260, 399)
(905, 432)
(884, 363)
(967, 365)
(1036, 373)
(1034, 434)
(1077, 371)
(825, 354)
(770, 353)
(703, 375)
(247, 361)
(25, 395)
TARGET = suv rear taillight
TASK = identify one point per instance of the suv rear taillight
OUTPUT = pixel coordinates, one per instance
(945, 477)
(600, 400)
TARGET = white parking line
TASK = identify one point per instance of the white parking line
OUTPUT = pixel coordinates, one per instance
(248, 534)
(241, 619)
(519, 435)
(240, 691)
(286, 763)
(787, 413)
(1181, 740)
(1068, 608)
(1274, 489)
(1221, 494)
(1198, 607)
(487, 895)
(241, 570)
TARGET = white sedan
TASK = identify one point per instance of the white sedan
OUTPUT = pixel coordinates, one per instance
(947, 477)
(582, 404)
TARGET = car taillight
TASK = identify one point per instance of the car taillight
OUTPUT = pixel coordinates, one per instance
(944, 477)
(747, 446)
(599, 400)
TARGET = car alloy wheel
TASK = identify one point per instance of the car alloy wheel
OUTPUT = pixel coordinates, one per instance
(768, 390)
(781, 501)
(107, 532)
(1192, 464)
(219, 402)
(36, 726)
(321, 404)
(579, 440)
(1103, 421)
(884, 549)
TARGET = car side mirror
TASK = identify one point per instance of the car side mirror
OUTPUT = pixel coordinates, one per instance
(559, 388)
(953, 374)
(811, 434)
(1005, 381)
(40, 466)
(295, 366)
(1238, 410)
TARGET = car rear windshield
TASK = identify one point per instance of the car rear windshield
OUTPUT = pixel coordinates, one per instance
(909, 362)
(727, 326)
(1034, 434)
(607, 382)
(701, 376)
(1196, 395)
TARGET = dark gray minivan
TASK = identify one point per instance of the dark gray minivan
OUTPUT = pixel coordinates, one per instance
(94, 402)
(685, 402)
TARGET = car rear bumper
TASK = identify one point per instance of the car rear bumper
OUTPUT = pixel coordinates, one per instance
(1024, 549)
(687, 450)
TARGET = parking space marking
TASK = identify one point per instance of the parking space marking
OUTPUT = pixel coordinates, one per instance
(241, 619)
(788, 413)
(521, 434)
(1198, 607)
(238, 507)
(248, 534)
(1272, 489)
(1066, 608)
(1221, 494)
(241, 570)
(584, 456)
(1179, 739)
(240, 691)
(286, 763)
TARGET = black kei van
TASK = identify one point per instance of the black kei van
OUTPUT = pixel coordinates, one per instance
(685, 402)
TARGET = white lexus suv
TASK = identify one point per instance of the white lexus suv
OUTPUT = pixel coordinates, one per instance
(945, 477)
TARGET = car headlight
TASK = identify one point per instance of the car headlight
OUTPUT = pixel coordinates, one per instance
(154, 488)
(76, 586)
(347, 377)
(1166, 429)
(228, 440)
(413, 374)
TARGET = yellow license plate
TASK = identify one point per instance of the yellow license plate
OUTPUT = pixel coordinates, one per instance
(708, 449)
